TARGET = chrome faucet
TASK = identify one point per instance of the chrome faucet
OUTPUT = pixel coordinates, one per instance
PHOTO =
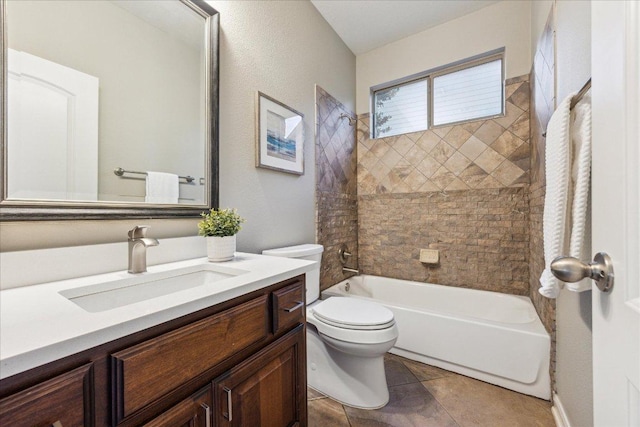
(138, 243)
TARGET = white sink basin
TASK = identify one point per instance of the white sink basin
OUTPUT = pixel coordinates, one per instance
(117, 293)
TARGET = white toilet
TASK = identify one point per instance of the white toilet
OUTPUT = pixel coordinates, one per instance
(347, 339)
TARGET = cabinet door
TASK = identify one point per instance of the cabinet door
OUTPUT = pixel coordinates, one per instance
(192, 412)
(268, 389)
(63, 401)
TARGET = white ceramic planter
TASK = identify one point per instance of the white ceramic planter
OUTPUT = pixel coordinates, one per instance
(221, 248)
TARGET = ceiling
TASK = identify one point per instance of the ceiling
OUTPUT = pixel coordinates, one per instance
(368, 24)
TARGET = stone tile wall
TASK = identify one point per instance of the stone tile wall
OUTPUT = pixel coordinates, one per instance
(481, 154)
(336, 200)
(461, 189)
(542, 107)
(482, 236)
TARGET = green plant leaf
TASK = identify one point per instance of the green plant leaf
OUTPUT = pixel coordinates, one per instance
(220, 223)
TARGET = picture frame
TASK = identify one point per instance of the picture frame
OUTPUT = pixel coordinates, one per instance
(279, 136)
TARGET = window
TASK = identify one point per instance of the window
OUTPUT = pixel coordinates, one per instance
(466, 90)
(468, 94)
(401, 109)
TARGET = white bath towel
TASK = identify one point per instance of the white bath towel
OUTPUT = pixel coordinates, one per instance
(162, 188)
(580, 244)
(556, 201)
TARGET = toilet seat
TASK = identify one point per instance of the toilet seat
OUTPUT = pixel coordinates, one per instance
(351, 313)
(380, 333)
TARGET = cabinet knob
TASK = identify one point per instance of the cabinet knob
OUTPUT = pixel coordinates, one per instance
(57, 424)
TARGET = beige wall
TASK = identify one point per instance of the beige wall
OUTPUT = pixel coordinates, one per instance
(281, 49)
(539, 14)
(506, 23)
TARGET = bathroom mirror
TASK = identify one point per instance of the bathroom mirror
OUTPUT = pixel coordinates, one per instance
(109, 109)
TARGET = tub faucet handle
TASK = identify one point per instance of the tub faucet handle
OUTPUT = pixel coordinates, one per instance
(344, 253)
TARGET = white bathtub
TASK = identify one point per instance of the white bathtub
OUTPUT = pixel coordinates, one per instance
(497, 338)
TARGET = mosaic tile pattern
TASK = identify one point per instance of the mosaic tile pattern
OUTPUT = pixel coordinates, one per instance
(423, 395)
(482, 236)
(542, 107)
(337, 224)
(336, 200)
(481, 154)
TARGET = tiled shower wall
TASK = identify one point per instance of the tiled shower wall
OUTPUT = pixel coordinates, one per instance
(336, 198)
(542, 107)
(461, 189)
(481, 234)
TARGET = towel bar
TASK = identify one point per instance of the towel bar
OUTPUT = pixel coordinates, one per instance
(121, 172)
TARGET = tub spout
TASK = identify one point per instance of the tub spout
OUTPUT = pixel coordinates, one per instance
(349, 270)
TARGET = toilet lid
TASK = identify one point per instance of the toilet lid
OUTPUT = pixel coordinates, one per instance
(352, 313)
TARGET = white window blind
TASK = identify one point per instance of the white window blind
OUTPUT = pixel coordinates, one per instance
(401, 109)
(471, 93)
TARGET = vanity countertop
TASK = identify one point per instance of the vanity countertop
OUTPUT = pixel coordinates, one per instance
(39, 325)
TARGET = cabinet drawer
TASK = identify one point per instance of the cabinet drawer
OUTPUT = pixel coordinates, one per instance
(62, 401)
(288, 306)
(147, 371)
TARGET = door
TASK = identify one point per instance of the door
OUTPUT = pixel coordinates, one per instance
(266, 390)
(616, 218)
(59, 105)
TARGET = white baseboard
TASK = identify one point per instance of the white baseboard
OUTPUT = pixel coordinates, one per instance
(559, 414)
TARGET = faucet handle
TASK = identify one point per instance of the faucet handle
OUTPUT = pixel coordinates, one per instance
(138, 232)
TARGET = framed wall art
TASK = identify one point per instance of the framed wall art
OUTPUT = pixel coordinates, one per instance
(279, 136)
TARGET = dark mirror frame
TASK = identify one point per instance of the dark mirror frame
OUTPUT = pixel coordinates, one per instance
(53, 210)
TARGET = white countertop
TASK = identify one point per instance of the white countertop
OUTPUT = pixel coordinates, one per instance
(38, 325)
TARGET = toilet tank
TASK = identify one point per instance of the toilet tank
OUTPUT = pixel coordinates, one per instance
(309, 252)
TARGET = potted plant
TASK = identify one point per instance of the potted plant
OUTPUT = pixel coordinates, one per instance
(220, 227)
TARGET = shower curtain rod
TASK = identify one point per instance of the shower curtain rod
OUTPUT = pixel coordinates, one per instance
(576, 98)
(580, 94)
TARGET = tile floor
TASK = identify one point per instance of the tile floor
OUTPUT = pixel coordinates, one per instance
(426, 396)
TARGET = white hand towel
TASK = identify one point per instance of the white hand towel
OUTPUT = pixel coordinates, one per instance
(162, 188)
(580, 244)
(556, 201)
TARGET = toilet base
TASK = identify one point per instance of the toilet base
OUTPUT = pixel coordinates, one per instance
(354, 380)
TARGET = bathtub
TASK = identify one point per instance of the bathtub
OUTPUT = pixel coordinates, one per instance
(494, 337)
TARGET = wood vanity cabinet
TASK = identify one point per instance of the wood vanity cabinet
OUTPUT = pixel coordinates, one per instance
(238, 363)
